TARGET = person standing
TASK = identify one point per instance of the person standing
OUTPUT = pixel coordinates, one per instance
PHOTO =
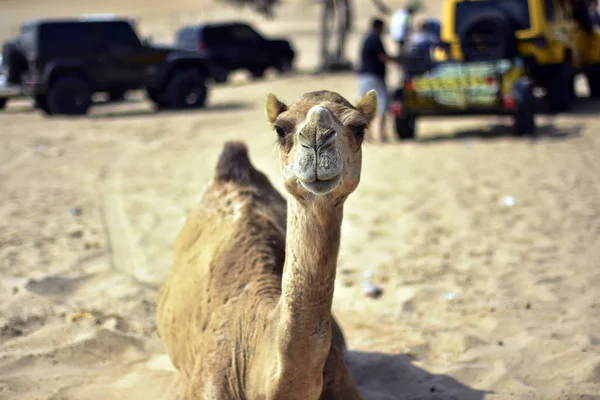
(372, 73)
(400, 25)
(338, 14)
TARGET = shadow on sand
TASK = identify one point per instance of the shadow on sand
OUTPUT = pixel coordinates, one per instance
(544, 132)
(586, 106)
(100, 110)
(151, 112)
(394, 377)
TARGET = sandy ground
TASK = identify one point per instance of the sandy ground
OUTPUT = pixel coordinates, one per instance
(485, 246)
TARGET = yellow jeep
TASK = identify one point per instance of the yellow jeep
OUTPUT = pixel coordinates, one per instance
(554, 38)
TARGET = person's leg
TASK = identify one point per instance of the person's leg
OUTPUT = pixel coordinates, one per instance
(382, 105)
(343, 15)
(400, 46)
(379, 131)
(326, 15)
(365, 84)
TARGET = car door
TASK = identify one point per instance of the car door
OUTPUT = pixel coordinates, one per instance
(252, 52)
(221, 47)
(122, 53)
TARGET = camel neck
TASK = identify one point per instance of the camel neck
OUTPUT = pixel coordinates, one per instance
(312, 246)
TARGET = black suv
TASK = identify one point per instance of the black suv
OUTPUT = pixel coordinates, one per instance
(234, 46)
(61, 63)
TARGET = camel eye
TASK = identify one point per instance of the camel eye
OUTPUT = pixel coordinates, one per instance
(360, 132)
(280, 132)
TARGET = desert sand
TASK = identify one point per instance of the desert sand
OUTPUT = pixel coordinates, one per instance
(486, 247)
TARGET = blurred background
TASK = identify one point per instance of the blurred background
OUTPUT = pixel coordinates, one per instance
(483, 246)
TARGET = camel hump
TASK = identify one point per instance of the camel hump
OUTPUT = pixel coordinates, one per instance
(234, 164)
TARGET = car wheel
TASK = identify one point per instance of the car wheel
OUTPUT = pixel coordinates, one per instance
(3, 102)
(560, 90)
(69, 95)
(157, 98)
(593, 79)
(186, 89)
(405, 127)
(524, 117)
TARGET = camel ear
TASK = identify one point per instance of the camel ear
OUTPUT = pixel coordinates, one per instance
(367, 106)
(273, 108)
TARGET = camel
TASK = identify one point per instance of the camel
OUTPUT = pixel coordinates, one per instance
(245, 312)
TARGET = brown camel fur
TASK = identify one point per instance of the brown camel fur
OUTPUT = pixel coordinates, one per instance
(246, 310)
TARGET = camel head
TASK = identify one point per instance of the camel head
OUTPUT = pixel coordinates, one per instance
(320, 137)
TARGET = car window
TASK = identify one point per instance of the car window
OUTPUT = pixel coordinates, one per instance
(186, 35)
(245, 33)
(186, 38)
(119, 34)
(66, 38)
(217, 34)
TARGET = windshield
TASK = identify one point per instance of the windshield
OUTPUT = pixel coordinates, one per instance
(517, 11)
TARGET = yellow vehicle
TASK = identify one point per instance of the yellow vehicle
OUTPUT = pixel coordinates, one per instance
(491, 54)
(554, 38)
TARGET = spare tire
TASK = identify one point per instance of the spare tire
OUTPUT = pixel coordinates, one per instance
(14, 62)
(487, 35)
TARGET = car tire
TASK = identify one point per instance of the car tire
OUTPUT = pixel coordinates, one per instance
(560, 89)
(186, 89)
(69, 95)
(155, 96)
(160, 103)
(593, 80)
(524, 117)
(3, 102)
(405, 127)
(494, 27)
(41, 102)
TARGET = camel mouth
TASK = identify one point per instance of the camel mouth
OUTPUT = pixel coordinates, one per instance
(322, 187)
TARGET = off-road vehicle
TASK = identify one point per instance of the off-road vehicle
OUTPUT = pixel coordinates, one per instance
(492, 54)
(475, 88)
(555, 39)
(62, 62)
(232, 46)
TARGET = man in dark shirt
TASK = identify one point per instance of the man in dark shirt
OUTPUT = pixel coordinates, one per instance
(372, 74)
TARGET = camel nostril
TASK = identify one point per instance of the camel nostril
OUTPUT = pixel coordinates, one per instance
(327, 138)
(305, 141)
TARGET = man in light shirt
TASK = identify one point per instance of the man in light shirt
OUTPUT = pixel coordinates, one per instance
(594, 14)
(400, 25)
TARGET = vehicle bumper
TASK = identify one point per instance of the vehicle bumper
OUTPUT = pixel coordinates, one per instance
(487, 92)
(33, 87)
(506, 106)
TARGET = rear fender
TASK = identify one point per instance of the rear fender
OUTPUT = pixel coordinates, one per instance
(178, 63)
(56, 68)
